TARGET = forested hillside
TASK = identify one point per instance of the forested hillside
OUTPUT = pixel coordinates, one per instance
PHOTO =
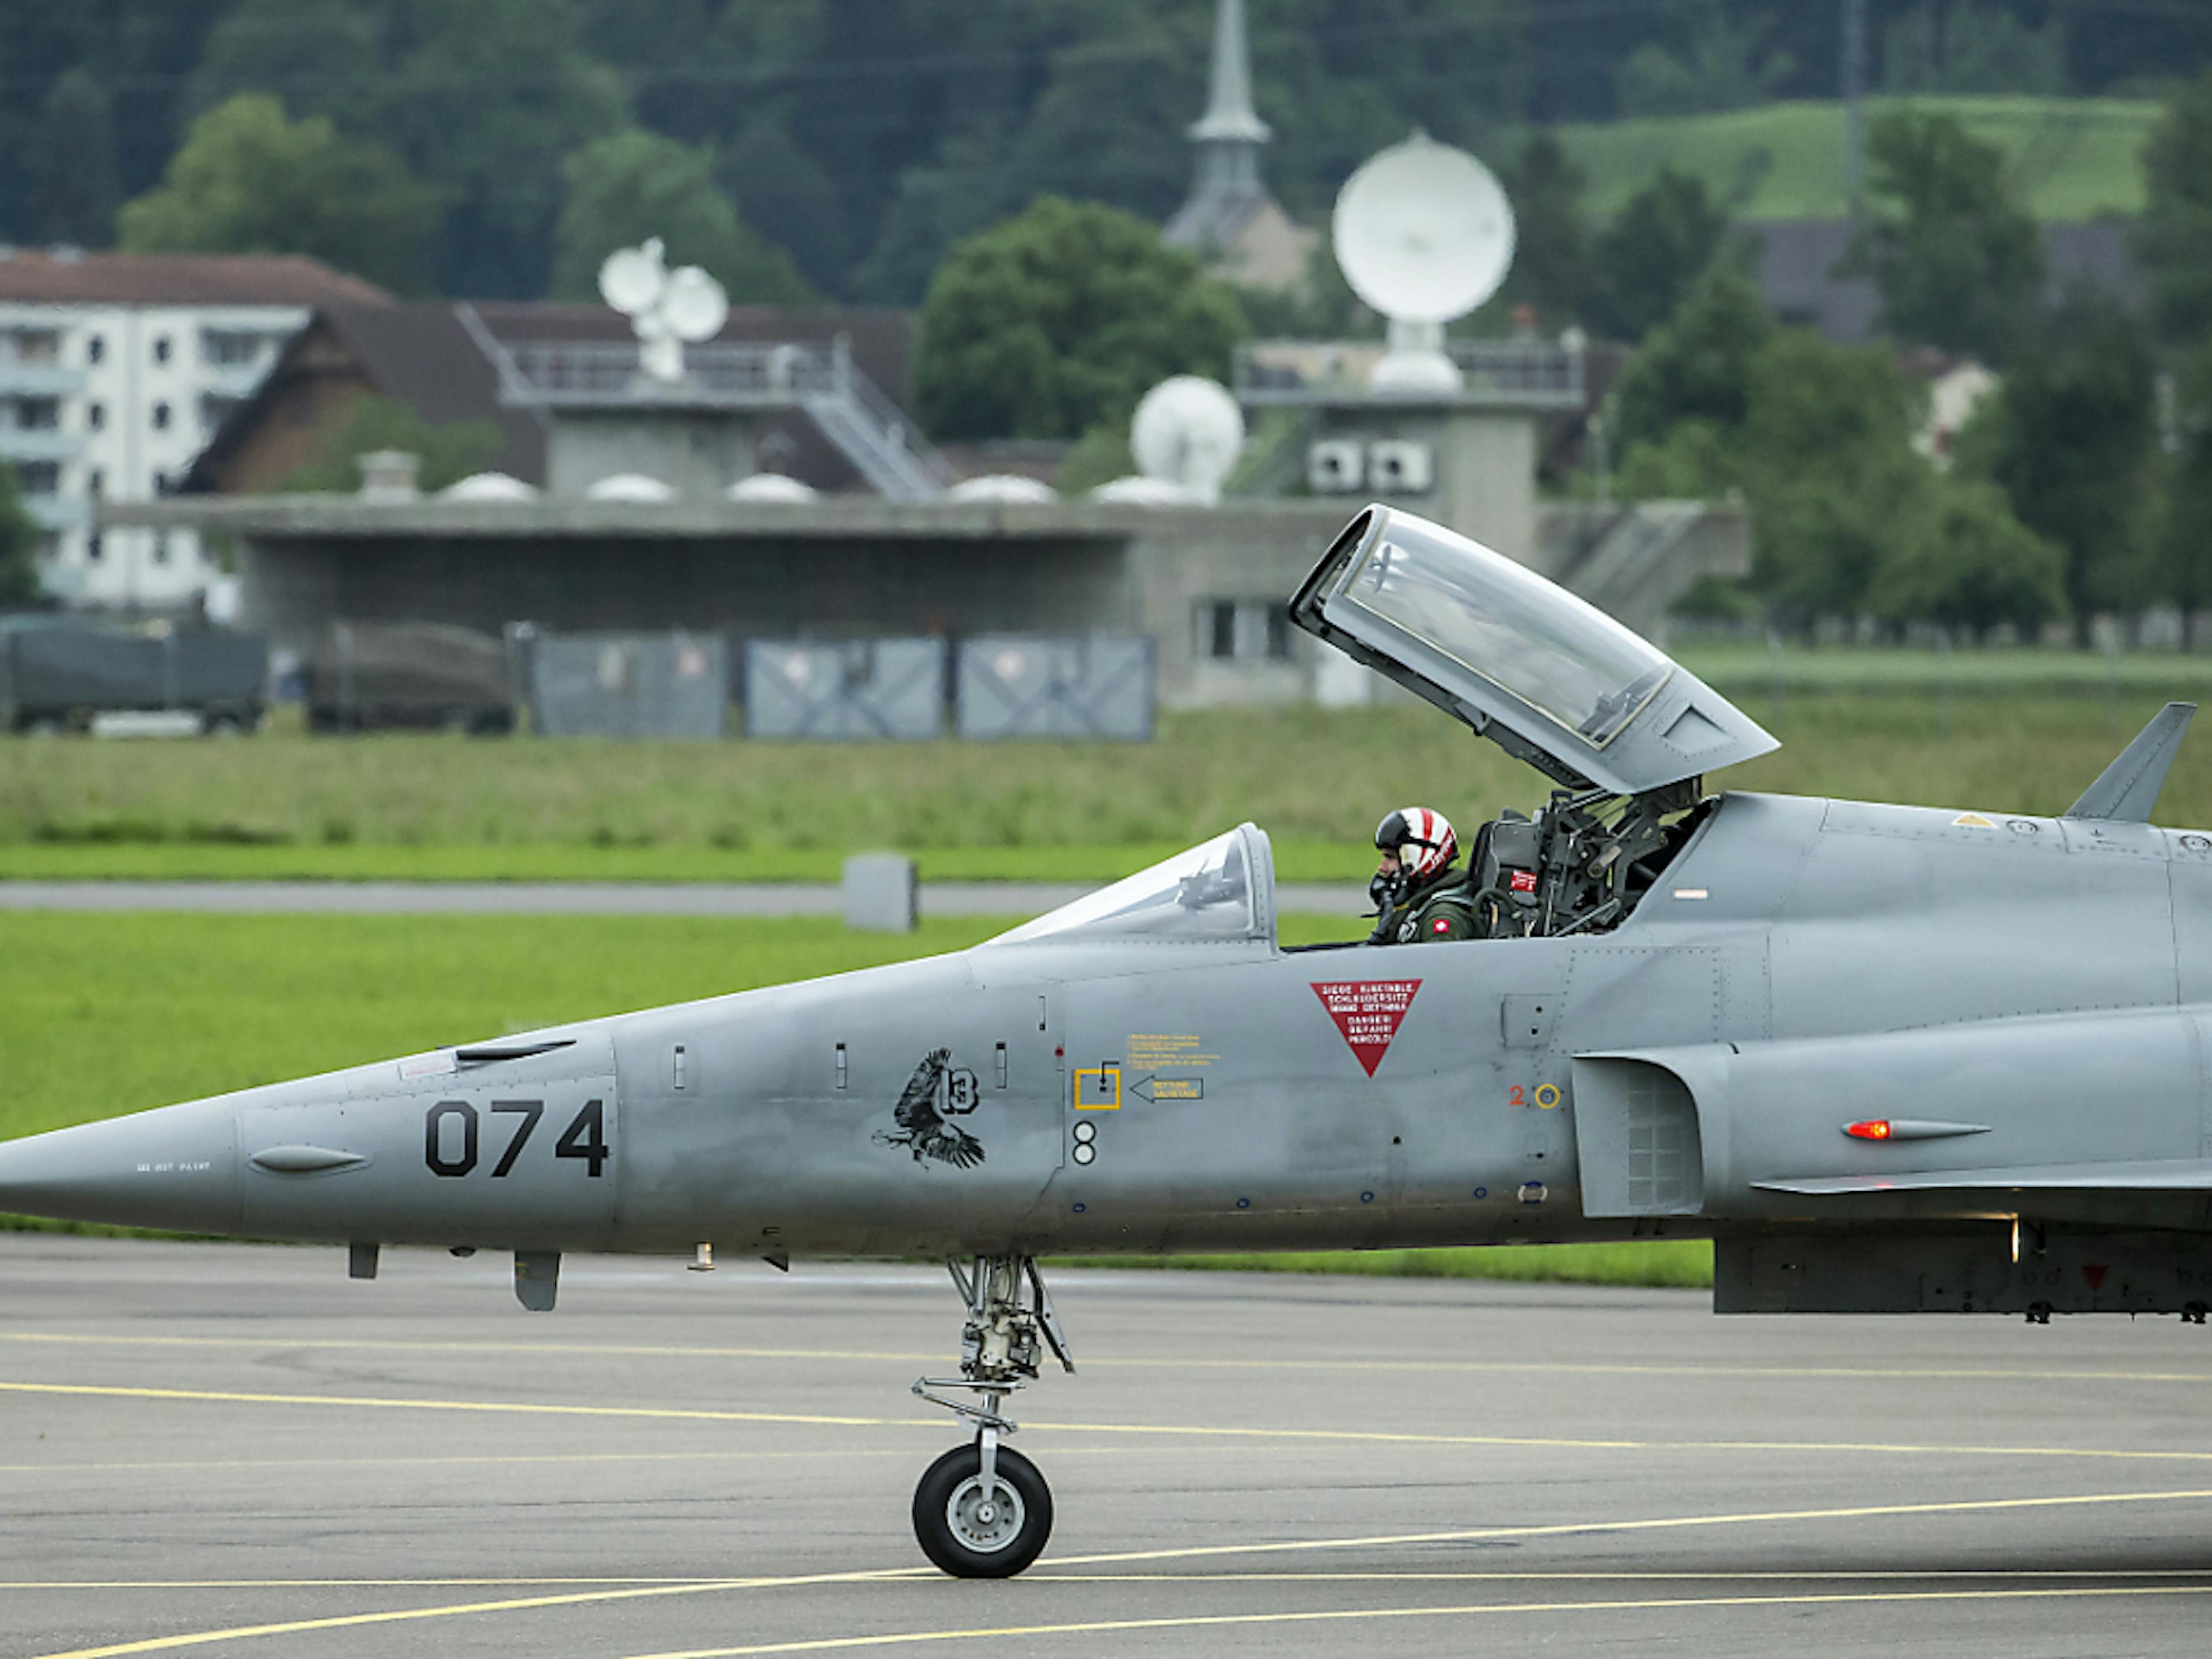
(460, 142)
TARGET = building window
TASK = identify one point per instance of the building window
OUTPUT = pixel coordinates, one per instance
(39, 478)
(230, 347)
(161, 418)
(95, 482)
(37, 345)
(95, 417)
(161, 549)
(38, 414)
(215, 410)
(93, 550)
(160, 348)
(1243, 630)
(95, 349)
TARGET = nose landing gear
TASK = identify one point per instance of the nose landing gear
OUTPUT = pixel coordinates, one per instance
(982, 1510)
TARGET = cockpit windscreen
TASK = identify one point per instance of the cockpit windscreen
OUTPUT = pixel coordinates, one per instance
(1217, 891)
(1561, 656)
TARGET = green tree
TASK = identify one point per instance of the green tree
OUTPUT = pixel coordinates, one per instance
(320, 57)
(1973, 49)
(1697, 366)
(248, 180)
(73, 190)
(1664, 239)
(1959, 260)
(790, 200)
(1060, 319)
(2187, 534)
(1834, 483)
(1847, 518)
(450, 451)
(18, 537)
(1555, 263)
(626, 187)
(1978, 566)
(2072, 439)
(2175, 237)
(485, 100)
(1722, 64)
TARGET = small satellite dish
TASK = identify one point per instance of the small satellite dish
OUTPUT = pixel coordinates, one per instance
(1424, 233)
(1188, 431)
(667, 309)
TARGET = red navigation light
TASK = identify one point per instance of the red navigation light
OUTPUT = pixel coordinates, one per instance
(1876, 1128)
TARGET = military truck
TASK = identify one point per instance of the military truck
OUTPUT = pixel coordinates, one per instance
(61, 673)
(370, 677)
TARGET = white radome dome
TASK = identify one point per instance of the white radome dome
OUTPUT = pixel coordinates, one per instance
(1001, 487)
(1140, 491)
(489, 486)
(630, 486)
(769, 487)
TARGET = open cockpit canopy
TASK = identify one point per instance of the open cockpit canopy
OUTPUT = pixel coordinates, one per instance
(1221, 892)
(1545, 675)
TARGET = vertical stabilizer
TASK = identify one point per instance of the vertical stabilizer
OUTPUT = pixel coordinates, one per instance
(2128, 789)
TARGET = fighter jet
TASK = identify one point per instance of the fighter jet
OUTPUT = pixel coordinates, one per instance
(1889, 1059)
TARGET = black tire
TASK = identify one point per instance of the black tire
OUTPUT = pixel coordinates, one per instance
(935, 1527)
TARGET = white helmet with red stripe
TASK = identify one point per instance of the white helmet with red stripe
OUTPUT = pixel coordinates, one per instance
(1422, 840)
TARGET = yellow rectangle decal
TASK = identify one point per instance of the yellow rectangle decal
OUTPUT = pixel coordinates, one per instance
(1098, 1089)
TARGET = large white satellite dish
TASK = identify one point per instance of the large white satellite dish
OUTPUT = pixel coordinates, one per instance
(1424, 233)
(667, 309)
(1188, 431)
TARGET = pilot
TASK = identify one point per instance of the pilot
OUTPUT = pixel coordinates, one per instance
(1422, 897)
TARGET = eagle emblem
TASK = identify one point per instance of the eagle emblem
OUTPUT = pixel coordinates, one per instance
(921, 1125)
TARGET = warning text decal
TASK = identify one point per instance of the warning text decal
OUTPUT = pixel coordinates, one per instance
(1368, 1012)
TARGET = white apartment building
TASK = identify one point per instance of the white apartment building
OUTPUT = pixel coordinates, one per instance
(115, 370)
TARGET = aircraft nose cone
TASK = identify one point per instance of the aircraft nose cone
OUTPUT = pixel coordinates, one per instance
(175, 1169)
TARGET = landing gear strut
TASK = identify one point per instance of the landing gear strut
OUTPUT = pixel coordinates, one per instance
(982, 1510)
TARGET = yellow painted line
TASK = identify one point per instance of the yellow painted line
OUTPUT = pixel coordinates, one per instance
(1039, 1575)
(1362, 1437)
(688, 1414)
(1472, 1367)
(202, 1638)
(106, 1584)
(514, 1604)
(1342, 1615)
(1665, 1523)
(207, 1463)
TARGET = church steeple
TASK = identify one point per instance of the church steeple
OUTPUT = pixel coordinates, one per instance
(1229, 135)
(1229, 114)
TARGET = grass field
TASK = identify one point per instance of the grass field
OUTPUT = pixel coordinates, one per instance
(111, 1013)
(2006, 732)
(2073, 158)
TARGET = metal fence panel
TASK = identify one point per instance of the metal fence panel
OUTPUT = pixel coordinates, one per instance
(628, 685)
(1017, 686)
(886, 689)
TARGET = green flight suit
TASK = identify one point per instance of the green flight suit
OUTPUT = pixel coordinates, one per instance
(1443, 910)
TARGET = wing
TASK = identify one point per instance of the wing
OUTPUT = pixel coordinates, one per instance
(916, 1110)
(954, 1146)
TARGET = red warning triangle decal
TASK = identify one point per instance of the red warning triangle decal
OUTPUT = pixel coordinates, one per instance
(2094, 1272)
(1368, 1012)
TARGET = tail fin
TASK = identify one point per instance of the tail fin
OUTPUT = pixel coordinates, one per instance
(2128, 788)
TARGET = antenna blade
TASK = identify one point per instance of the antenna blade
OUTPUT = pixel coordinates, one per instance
(2128, 789)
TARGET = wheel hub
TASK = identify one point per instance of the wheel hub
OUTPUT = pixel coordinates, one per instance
(985, 1522)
